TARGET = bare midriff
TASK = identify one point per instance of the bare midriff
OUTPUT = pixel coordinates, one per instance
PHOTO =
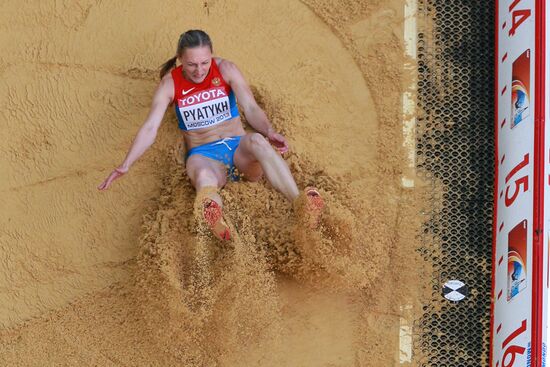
(233, 127)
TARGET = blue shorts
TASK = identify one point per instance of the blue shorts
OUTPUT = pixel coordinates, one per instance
(222, 151)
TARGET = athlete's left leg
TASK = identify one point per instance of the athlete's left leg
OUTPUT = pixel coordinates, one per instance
(255, 156)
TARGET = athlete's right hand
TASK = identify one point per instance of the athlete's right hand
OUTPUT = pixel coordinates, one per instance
(117, 172)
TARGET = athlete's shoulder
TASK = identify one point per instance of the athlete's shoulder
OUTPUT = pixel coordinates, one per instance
(167, 77)
(166, 85)
(227, 68)
(224, 63)
(167, 81)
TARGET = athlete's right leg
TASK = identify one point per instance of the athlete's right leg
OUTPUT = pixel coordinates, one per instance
(207, 177)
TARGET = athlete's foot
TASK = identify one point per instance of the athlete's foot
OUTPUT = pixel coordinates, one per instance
(213, 217)
(314, 207)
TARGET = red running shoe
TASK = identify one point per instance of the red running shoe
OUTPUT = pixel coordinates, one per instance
(315, 205)
(213, 217)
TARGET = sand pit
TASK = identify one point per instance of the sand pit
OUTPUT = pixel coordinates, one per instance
(128, 277)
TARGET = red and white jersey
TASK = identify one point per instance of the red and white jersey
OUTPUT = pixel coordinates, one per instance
(206, 104)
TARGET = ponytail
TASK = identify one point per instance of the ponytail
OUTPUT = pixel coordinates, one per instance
(167, 66)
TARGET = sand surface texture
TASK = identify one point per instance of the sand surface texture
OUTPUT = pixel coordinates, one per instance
(130, 277)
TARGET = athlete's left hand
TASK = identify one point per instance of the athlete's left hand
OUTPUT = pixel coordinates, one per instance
(278, 141)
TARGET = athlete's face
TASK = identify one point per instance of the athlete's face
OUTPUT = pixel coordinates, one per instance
(196, 63)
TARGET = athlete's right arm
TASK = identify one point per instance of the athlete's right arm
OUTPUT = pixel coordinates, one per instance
(148, 131)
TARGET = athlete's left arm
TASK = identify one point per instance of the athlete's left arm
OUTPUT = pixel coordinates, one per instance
(255, 116)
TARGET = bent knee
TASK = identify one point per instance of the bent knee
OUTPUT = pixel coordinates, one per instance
(202, 173)
(259, 144)
(201, 177)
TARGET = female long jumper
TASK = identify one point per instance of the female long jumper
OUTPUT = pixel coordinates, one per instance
(204, 90)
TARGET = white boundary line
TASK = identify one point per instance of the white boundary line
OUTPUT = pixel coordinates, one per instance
(409, 142)
(409, 95)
